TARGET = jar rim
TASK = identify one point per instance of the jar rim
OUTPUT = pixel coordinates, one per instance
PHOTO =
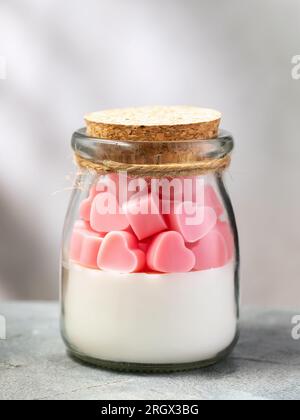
(151, 152)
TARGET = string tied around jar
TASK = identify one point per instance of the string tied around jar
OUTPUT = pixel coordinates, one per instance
(156, 171)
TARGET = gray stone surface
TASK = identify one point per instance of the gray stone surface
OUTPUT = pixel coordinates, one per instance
(34, 365)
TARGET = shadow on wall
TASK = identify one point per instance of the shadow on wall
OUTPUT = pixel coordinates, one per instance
(22, 261)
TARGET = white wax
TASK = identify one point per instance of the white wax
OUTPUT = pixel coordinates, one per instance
(150, 318)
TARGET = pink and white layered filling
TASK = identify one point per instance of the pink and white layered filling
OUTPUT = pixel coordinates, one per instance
(152, 287)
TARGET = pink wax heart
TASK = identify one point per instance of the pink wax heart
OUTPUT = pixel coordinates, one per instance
(192, 221)
(210, 251)
(183, 189)
(122, 186)
(120, 252)
(202, 193)
(145, 225)
(168, 254)
(168, 189)
(189, 189)
(90, 251)
(76, 245)
(109, 183)
(225, 229)
(129, 230)
(144, 245)
(83, 225)
(85, 209)
(106, 215)
(84, 246)
(212, 200)
(86, 205)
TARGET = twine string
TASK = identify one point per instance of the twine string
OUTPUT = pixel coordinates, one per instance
(201, 167)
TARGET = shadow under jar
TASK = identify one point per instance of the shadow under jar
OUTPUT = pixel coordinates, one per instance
(150, 259)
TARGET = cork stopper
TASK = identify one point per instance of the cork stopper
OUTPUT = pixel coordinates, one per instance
(160, 124)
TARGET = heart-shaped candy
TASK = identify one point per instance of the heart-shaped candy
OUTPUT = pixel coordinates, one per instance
(109, 183)
(85, 245)
(106, 215)
(122, 186)
(120, 252)
(86, 205)
(192, 221)
(210, 252)
(225, 229)
(196, 190)
(144, 216)
(212, 200)
(145, 244)
(168, 254)
(85, 209)
(82, 225)
(189, 189)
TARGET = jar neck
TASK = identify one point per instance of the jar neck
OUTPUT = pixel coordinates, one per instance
(155, 158)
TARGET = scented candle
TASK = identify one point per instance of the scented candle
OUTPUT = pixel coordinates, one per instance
(150, 260)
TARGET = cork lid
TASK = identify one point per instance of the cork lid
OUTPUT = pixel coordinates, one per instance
(154, 124)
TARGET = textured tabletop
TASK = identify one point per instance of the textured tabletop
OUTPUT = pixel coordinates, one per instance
(34, 365)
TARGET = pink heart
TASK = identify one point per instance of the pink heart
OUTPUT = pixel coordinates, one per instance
(85, 209)
(106, 215)
(119, 252)
(192, 221)
(144, 245)
(225, 229)
(205, 195)
(212, 200)
(121, 186)
(168, 254)
(210, 252)
(82, 225)
(85, 245)
(190, 189)
(86, 205)
(144, 216)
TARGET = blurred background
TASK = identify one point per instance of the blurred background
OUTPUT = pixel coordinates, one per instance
(66, 58)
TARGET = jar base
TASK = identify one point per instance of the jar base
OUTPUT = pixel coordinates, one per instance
(150, 368)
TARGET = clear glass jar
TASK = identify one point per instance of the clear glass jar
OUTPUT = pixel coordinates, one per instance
(157, 291)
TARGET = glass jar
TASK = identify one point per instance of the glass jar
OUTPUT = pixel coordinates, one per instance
(150, 260)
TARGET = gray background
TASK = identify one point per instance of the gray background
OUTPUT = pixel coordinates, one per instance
(65, 58)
